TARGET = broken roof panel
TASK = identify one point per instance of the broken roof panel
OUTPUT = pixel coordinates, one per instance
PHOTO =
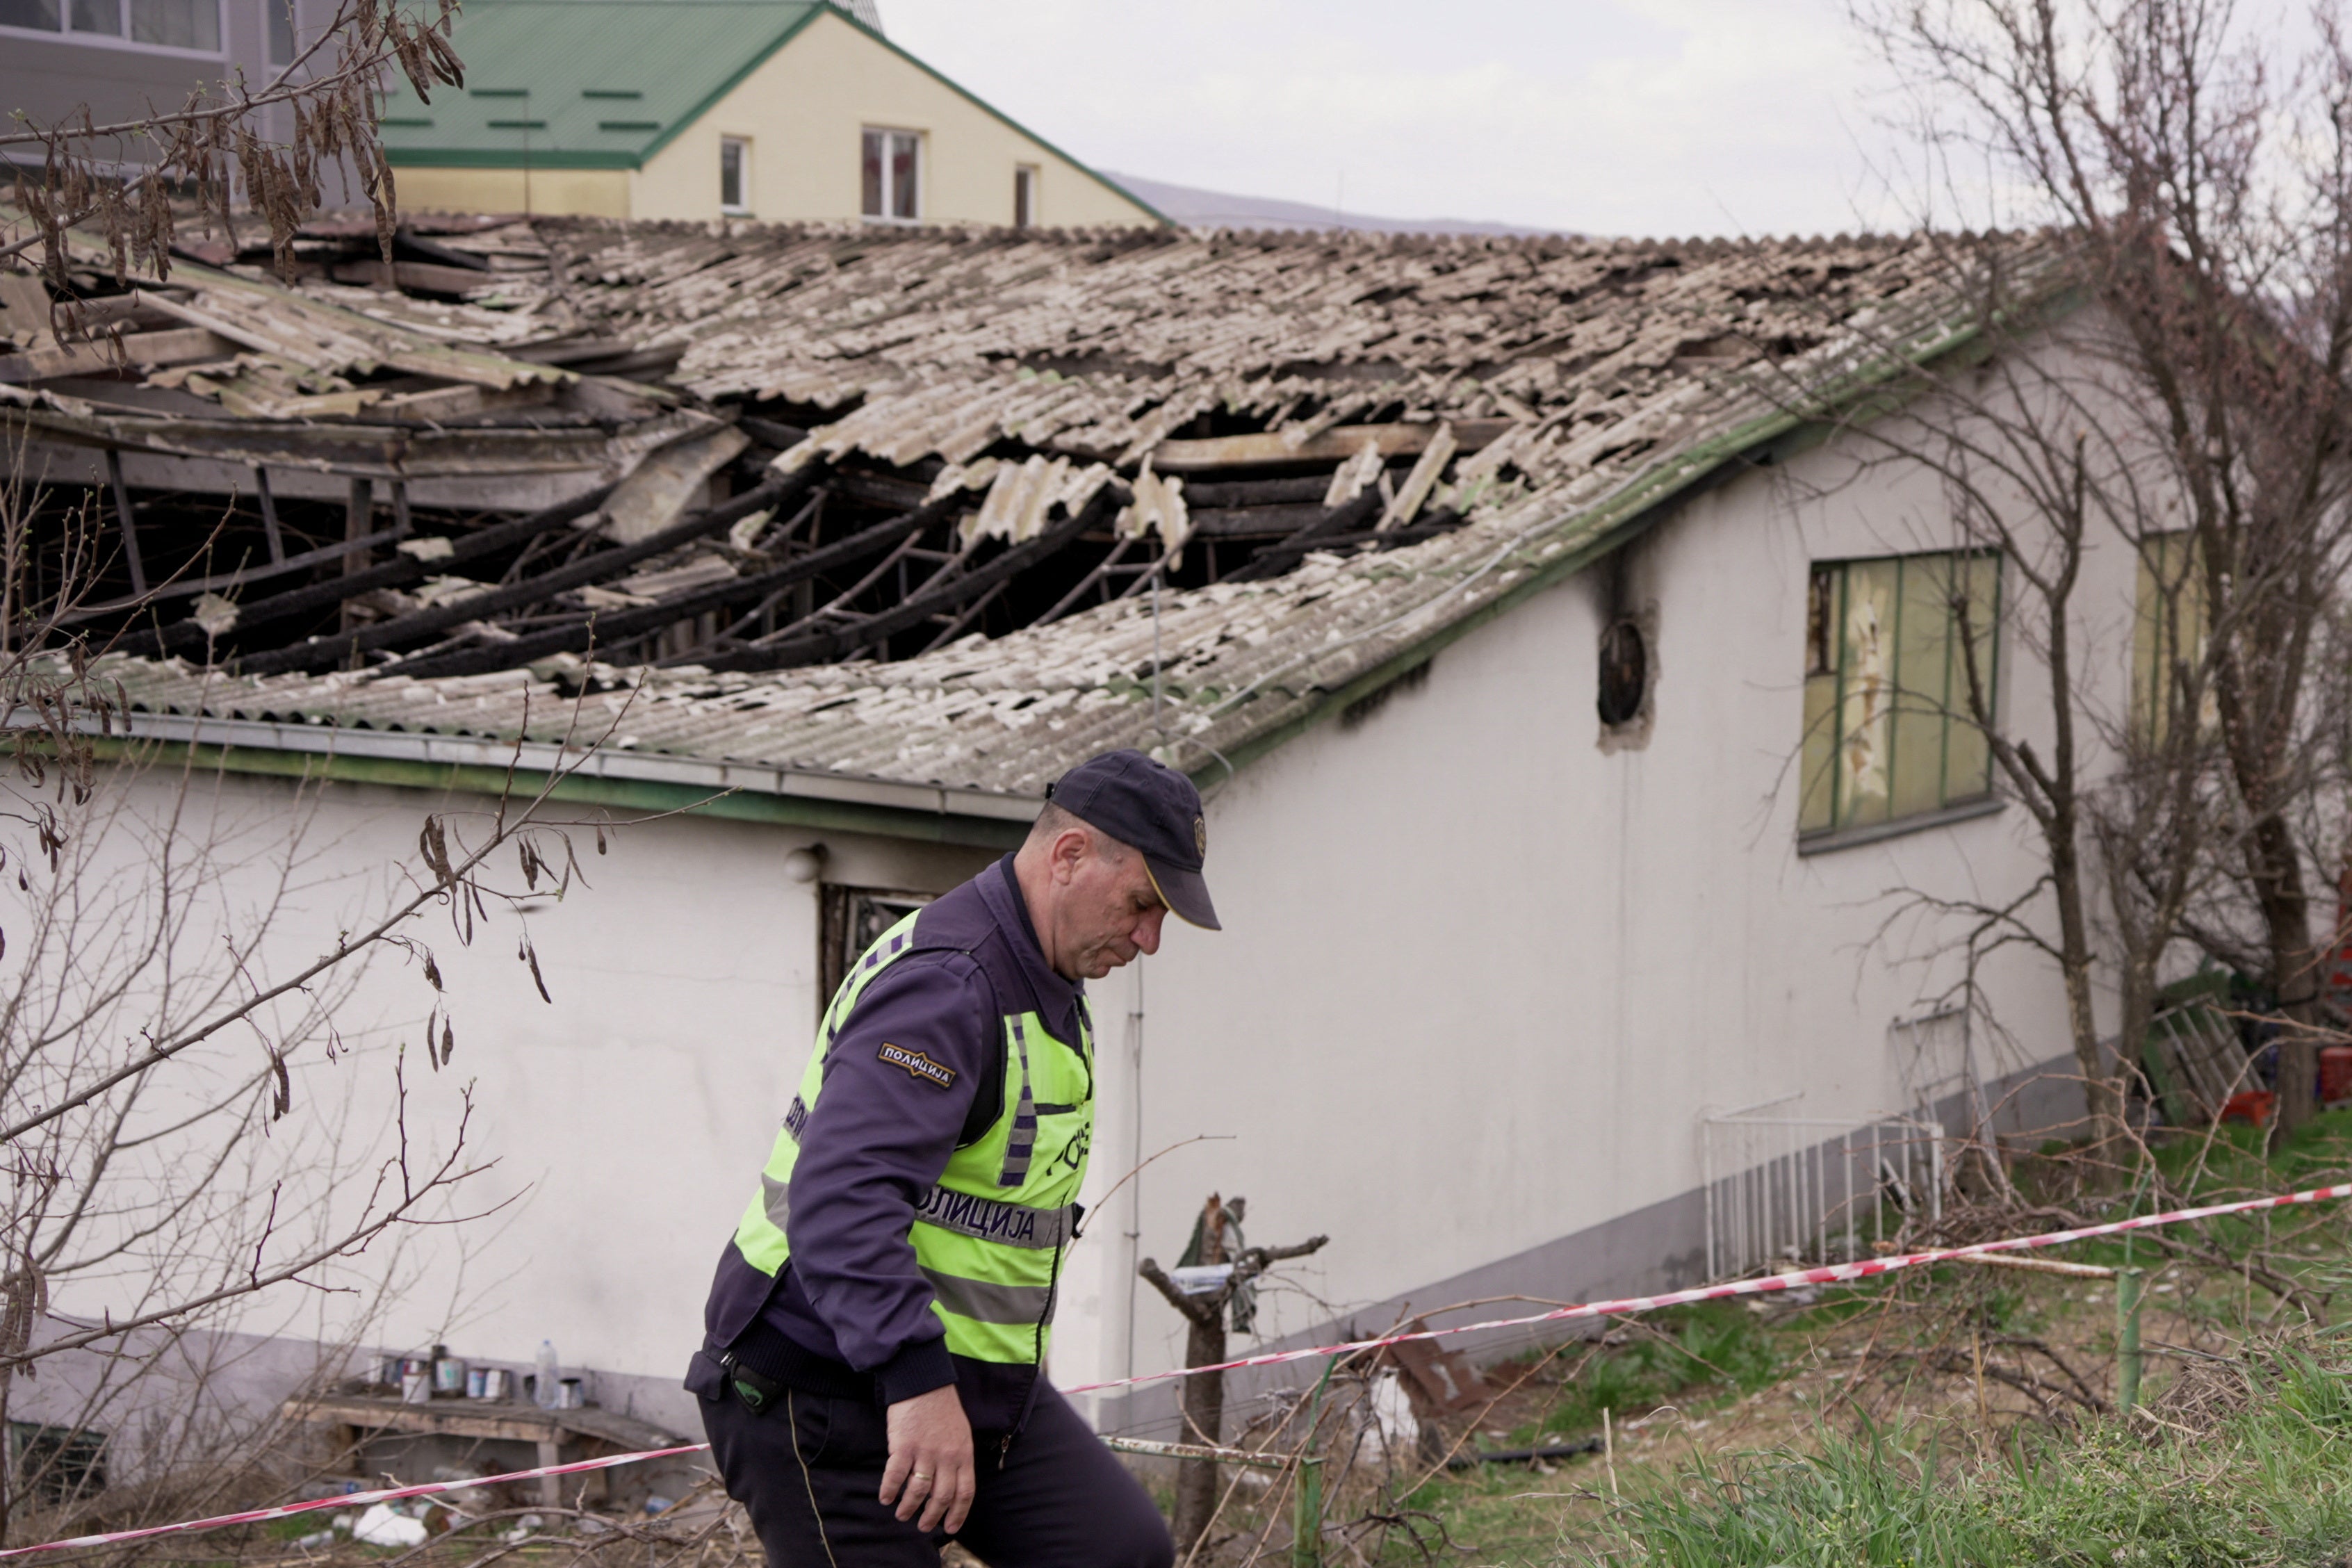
(1386, 439)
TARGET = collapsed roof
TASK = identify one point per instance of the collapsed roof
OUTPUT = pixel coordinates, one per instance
(943, 506)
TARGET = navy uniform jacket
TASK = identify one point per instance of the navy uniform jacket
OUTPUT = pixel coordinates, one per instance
(849, 1300)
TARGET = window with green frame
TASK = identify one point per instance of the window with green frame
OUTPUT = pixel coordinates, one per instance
(1887, 733)
(2170, 626)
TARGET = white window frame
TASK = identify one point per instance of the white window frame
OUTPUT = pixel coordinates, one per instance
(1032, 177)
(270, 11)
(64, 34)
(922, 175)
(741, 209)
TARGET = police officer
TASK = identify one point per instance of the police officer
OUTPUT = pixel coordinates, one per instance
(872, 1375)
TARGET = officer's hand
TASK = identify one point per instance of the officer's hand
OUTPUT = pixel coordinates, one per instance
(931, 1460)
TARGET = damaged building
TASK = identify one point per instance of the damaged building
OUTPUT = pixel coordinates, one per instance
(1496, 593)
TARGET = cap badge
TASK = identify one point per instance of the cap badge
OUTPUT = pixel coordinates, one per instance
(1201, 836)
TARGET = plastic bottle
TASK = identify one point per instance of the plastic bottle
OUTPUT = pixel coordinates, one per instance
(547, 1390)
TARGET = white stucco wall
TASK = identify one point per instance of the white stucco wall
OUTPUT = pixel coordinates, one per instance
(622, 1126)
(1481, 979)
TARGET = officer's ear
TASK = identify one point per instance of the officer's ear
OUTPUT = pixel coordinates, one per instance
(1068, 852)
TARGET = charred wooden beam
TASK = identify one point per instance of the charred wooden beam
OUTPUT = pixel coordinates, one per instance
(879, 490)
(1278, 559)
(424, 276)
(420, 626)
(1112, 563)
(245, 576)
(818, 647)
(400, 571)
(1431, 524)
(771, 433)
(275, 539)
(611, 627)
(126, 519)
(1212, 493)
(1428, 528)
(409, 244)
(1255, 521)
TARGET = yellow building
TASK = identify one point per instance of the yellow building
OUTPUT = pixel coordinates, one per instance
(776, 109)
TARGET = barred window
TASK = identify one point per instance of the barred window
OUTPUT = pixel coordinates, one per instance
(849, 921)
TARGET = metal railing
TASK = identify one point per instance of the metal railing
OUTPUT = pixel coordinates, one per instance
(1782, 1187)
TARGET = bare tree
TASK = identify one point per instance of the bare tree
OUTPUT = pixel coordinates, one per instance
(1205, 1313)
(128, 179)
(176, 1135)
(2158, 372)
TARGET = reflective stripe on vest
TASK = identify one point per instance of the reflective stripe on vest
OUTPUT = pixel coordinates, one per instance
(987, 1235)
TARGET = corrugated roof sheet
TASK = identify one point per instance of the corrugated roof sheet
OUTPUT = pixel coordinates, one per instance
(1632, 370)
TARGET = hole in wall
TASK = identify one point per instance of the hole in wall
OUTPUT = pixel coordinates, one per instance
(1624, 673)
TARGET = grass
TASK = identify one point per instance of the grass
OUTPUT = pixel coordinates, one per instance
(1717, 1347)
(2242, 1460)
(2256, 1473)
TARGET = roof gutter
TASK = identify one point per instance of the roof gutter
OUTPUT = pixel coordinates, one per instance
(637, 782)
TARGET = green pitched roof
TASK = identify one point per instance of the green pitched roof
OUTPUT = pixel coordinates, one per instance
(583, 84)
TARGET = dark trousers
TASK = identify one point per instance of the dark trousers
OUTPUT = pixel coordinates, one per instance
(809, 1470)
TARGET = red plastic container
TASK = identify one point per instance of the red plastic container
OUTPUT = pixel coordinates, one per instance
(2253, 1107)
(2334, 1073)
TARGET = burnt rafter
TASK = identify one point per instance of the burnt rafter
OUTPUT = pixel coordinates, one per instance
(937, 597)
(401, 571)
(1209, 396)
(328, 653)
(1349, 517)
(611, 627)
(243, 577)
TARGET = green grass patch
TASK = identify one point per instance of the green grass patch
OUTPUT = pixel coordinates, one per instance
(1717, 1346)
(2250, 1462)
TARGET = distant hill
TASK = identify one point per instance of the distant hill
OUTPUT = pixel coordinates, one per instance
(1196, 208)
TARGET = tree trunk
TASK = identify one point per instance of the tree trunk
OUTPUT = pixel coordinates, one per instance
(7, 1458)
(2295, 967)
(2101, 1090)
(1204, 1419)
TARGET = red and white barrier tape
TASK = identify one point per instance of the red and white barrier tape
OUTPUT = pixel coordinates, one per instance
(1833, 1274)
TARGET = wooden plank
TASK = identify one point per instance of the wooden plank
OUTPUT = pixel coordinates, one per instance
(2164, 1079)
(459, 401)
(506, 1420)
(1269, 449)
(879, 490)
(468, 488)
(452, 1418)
(1254, 522)
(430, 277)
(1211, 495)
(177, 345)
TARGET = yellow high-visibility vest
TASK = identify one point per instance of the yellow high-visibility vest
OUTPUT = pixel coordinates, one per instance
(989, 1235)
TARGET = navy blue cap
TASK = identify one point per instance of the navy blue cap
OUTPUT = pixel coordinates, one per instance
(1152, 807)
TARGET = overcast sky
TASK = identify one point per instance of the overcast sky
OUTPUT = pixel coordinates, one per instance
(1649, 117)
